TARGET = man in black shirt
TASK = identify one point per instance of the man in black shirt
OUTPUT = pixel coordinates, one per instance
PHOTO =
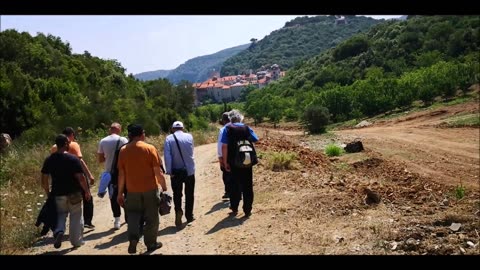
(68, 182)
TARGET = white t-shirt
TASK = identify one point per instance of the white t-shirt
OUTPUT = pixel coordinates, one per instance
(107, 145)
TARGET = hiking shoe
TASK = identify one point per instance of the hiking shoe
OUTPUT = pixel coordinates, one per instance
(116, 223)
(132, 247)
(58, 240)
(155, 247)
(44, 231)
(234, 212)
(178, 218)
(90, 226)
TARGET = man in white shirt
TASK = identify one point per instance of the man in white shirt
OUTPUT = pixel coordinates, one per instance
(225, 174)
(106, 153)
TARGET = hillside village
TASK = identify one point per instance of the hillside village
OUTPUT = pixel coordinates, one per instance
(229, 88)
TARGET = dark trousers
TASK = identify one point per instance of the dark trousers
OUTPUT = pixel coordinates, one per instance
(116, 209)
(143, 207)
(87, 208)
(226, 180)
(241, 185)
(114, 204)
(177, 187)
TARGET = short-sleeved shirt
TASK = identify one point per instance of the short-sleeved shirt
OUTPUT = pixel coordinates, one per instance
(107, 146)
(62, 167)
(138, 160)
(74, 149)
(224, 136)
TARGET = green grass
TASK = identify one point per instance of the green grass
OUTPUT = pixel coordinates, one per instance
(345, 124)
(468, 120)
(459, 192)
(458, 100)
(333, 150)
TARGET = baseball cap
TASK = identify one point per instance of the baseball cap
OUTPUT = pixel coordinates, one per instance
(177, 124)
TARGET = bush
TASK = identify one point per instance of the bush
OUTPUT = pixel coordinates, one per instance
(333, 150)
(279, 161)
(460, 192)
(315, 119)
(291, 115)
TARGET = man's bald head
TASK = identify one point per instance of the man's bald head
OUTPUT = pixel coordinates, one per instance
(115, 128)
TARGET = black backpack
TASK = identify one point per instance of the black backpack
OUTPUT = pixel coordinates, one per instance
(244, 154)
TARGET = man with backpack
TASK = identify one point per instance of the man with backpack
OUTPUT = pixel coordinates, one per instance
(180, 165)
(239, 157)
(107, 152)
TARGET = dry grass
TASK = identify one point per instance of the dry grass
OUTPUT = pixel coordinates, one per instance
(20, 194)
(22, 197)
(279, 161)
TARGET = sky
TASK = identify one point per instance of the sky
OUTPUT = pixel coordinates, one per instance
(146, 43)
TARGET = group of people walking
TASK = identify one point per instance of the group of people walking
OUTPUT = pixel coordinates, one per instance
(134, 179)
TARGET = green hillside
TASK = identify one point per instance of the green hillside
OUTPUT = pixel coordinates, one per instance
(388, 67)
(45, 87)
(298, 40)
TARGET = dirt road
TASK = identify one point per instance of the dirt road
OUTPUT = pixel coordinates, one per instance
(203, 236)
(446, 155)
(318, 208)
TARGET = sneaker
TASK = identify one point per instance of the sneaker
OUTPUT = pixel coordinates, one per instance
(248, 214)
(132, 247)
(58, 240)
(155, 247)
(116, 223)
(90, 226)
(178, 218)
(226, 196)
(190, 220)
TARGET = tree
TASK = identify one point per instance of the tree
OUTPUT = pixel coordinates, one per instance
(315, 118)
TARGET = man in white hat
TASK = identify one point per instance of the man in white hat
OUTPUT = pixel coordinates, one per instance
(180, 165)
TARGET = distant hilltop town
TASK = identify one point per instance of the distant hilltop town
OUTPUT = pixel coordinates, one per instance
(229, 88)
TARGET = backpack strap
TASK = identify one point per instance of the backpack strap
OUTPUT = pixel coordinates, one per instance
(179, 150)
(115, 157)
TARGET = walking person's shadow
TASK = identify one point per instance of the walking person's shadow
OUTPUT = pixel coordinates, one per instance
(227, 222)
(218, 206)
(117, 239)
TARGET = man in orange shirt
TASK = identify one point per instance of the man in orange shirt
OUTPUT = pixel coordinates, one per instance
(140, 173)
(74, 149)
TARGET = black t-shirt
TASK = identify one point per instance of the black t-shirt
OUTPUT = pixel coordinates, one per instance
(62, 167)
